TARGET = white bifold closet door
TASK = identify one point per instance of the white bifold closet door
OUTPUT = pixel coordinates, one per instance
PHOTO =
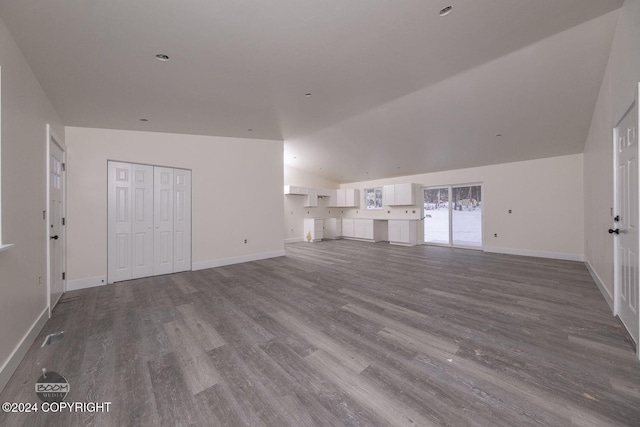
(149, 221)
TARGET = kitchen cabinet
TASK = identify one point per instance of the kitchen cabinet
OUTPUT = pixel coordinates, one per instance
(365, 229)
(332, 228)
(295, 190)
(348, 227)
(405, 232)
(344, 198)
(313, 229)
(311, 201)
(399, 194)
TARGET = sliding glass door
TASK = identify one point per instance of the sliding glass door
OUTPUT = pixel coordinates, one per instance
(453, 216)
(437, 216)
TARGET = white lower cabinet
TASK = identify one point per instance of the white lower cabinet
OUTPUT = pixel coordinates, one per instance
(332, 228)
(313, 229)
(405, 232)
(364, 229)
(348, 227)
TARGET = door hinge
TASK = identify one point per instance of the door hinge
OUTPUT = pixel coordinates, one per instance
(64, 276)
(64, 221)
(64, 167)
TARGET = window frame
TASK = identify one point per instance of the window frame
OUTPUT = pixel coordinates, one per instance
(376, 191)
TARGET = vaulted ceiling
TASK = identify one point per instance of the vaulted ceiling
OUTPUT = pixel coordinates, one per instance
(395, 89)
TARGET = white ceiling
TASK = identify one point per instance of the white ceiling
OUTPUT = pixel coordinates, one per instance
(396, 89)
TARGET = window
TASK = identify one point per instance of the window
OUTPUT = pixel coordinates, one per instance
(373, 198)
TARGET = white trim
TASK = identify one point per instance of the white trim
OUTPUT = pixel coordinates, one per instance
(294, 239)
(539, 254)
(236, 260)
(11, 364)
(603, 289)
(5, 247)
(87, 282)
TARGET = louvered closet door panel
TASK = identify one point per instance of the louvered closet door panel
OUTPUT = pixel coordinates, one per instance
(182, 220)
(163, 210)
(142, 221)
(119, 222)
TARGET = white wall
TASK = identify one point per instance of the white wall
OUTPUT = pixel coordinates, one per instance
(616, 94)
(294, 210)
(25, 113)
(545, 196)
(236, 193)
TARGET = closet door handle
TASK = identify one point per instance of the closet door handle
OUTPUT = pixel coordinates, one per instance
(54, 237)
(611, 231)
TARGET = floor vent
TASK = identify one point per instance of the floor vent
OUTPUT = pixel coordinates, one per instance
(53, 338)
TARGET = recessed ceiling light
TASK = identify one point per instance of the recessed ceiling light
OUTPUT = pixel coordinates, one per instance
(144, 120)
(249, 130)
(308, 95)
(162, 57)
(294, 157)
(499, 135)
(446, 10)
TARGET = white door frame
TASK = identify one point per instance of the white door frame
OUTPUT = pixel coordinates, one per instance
(52, 138)
(616, 255)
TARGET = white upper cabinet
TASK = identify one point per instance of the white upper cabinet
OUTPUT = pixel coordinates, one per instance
(345, 198)
(399, 194)
(295, 190)
(352, 197)
(312, 198)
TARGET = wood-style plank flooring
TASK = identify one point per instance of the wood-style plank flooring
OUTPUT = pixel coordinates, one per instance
(343, 333)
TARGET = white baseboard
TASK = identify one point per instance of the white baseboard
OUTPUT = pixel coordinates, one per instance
(540, 254)
(603, 289)
(87, 282)
(236, 260)
(11, 364)
(294, 240)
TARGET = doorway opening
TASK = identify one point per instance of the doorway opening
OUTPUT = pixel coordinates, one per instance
(453, 216)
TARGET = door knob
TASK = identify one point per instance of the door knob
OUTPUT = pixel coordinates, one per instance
(611, 231)
(54, 237)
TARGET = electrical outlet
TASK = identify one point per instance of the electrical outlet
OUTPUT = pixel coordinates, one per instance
(495, 235)
(245, 240)
(509, 210)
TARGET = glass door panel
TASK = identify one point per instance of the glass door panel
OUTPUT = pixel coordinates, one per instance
(466, 218)
(436, 216)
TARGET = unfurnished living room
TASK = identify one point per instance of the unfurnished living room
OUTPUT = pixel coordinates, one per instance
(319, 212)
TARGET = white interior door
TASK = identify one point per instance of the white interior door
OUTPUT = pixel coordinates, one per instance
(119, 222)
(182, 220)
(56, 221)
(163, 211)
(626, 222)
(142, 221)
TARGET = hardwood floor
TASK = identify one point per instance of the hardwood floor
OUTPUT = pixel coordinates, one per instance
(343, 333)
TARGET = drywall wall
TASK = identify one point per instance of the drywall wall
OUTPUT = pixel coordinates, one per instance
(236, 194)
(26, 111)
(294, 209)
(617, 92)
(545, 196)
